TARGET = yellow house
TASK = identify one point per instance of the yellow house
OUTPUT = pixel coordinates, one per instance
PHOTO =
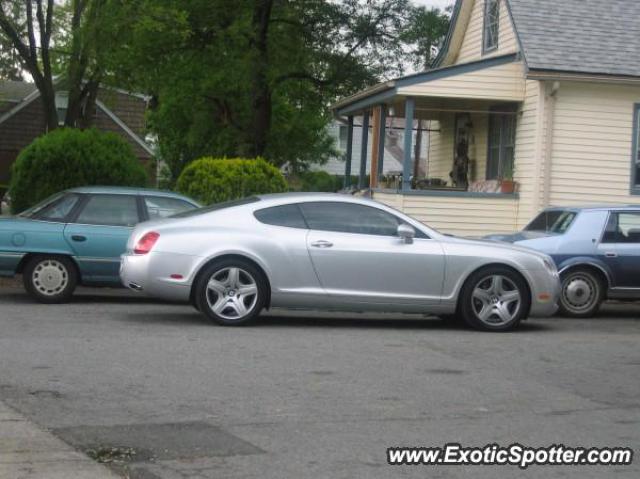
(530, 104)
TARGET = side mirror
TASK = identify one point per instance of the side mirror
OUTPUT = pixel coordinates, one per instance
(406, 233)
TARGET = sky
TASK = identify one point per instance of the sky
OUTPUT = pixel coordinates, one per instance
(434, 3)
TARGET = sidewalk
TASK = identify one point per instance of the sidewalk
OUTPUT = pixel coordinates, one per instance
(29, 452)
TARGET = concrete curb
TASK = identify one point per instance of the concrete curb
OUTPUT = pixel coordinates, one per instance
(29, 452)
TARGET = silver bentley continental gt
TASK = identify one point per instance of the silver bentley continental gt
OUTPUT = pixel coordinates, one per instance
(333, 252)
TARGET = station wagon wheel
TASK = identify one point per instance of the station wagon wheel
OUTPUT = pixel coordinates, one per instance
(582, 293)
(495, 299)
(231, 292)
(50, 279)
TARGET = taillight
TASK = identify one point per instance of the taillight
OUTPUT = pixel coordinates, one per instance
(145, 244)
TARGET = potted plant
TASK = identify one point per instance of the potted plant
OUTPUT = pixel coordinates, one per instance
(507, 184)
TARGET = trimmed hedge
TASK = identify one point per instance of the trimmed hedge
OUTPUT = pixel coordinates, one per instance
(69, 157)
(213, 180)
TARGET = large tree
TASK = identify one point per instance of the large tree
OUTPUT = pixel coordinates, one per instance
(255, 77)
(49, 37)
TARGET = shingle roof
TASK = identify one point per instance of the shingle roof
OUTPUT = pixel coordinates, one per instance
(15, 90)
(582, 36)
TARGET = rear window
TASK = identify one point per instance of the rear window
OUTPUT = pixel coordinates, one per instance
(555, 221)
(289, 216)
(54, 208)
(217, 206)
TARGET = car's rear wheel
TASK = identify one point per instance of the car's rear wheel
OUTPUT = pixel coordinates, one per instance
(582, 293)
(231, 292)
(495, 299)
(50, 279)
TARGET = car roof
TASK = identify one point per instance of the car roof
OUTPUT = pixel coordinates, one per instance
(301, 197)
(595, 208)
(125, 190)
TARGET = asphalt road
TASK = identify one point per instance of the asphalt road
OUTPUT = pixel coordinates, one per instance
(302, 396)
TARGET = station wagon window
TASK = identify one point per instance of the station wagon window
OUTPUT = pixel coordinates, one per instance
(554, 221)
(163, 207)
(491, 25)
(110, 210)
(635, 166)
(351, 218)
(623, 228)
(285, 215)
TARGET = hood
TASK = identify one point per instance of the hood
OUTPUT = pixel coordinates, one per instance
(520, 236)
(499, 244)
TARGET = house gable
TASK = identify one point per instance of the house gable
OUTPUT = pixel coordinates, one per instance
(464, 42)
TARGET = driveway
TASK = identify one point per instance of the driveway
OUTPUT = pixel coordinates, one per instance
(168, 395)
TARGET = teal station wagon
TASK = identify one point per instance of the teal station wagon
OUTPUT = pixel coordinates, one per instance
(77, 237)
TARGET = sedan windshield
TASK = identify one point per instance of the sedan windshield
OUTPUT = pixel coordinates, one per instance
(555, 221)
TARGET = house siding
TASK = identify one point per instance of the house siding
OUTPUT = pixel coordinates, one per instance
(501, 83)
(471, 47)
(463, 216)
(592, 142)
(527, 172)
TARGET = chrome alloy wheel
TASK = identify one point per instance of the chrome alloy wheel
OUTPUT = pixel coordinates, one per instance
(232, 293)
(496, 300)
(50, 277)
(579, 291)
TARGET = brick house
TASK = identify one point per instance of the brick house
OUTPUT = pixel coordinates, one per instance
(22, 120)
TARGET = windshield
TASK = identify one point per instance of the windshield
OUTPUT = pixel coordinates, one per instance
(216, 206)
(555, 221)
(31, 212)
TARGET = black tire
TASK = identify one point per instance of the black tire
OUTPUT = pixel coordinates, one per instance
(50, 279)
(224, 308)
(582, 294)
(503, 313)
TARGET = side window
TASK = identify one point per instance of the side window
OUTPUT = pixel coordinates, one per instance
(110, 210)
(351, 218)
(622, 228)
(163, 207)
(58, 210)
(285, 215)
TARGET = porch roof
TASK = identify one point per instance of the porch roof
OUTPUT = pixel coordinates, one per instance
(392, 91)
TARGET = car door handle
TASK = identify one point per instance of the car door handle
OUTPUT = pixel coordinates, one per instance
(79, 238)
(322, 244)
(610, 254)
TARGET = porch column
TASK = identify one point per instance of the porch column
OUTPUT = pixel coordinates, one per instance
(347, 165)
(381, 138)
(409, 109)
(375, 144)
(363, 151)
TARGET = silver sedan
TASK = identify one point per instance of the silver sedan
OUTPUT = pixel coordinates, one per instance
(333, 252)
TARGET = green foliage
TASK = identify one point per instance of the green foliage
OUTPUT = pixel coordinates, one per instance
(212, 180)
(315, 181)
(66, 158)
(424, 33)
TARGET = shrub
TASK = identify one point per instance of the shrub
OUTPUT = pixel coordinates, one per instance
(68, 157)
(212, 180)
(314, 181)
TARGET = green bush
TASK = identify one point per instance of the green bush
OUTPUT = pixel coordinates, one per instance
(68, 157)
(315, 181)
(212, 180)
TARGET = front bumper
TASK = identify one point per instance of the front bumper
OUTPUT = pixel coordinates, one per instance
(545, 293)
(160, 275)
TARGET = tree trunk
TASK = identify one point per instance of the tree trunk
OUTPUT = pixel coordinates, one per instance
(261, 90)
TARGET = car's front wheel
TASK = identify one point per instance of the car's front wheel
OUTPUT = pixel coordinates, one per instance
(50, 279)
(582, 293)
(495, 299)
(231, 292)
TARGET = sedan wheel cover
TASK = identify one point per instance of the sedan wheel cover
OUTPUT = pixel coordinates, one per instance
(50, 277)
(579, 293)
(496, 300)
(232, 293)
